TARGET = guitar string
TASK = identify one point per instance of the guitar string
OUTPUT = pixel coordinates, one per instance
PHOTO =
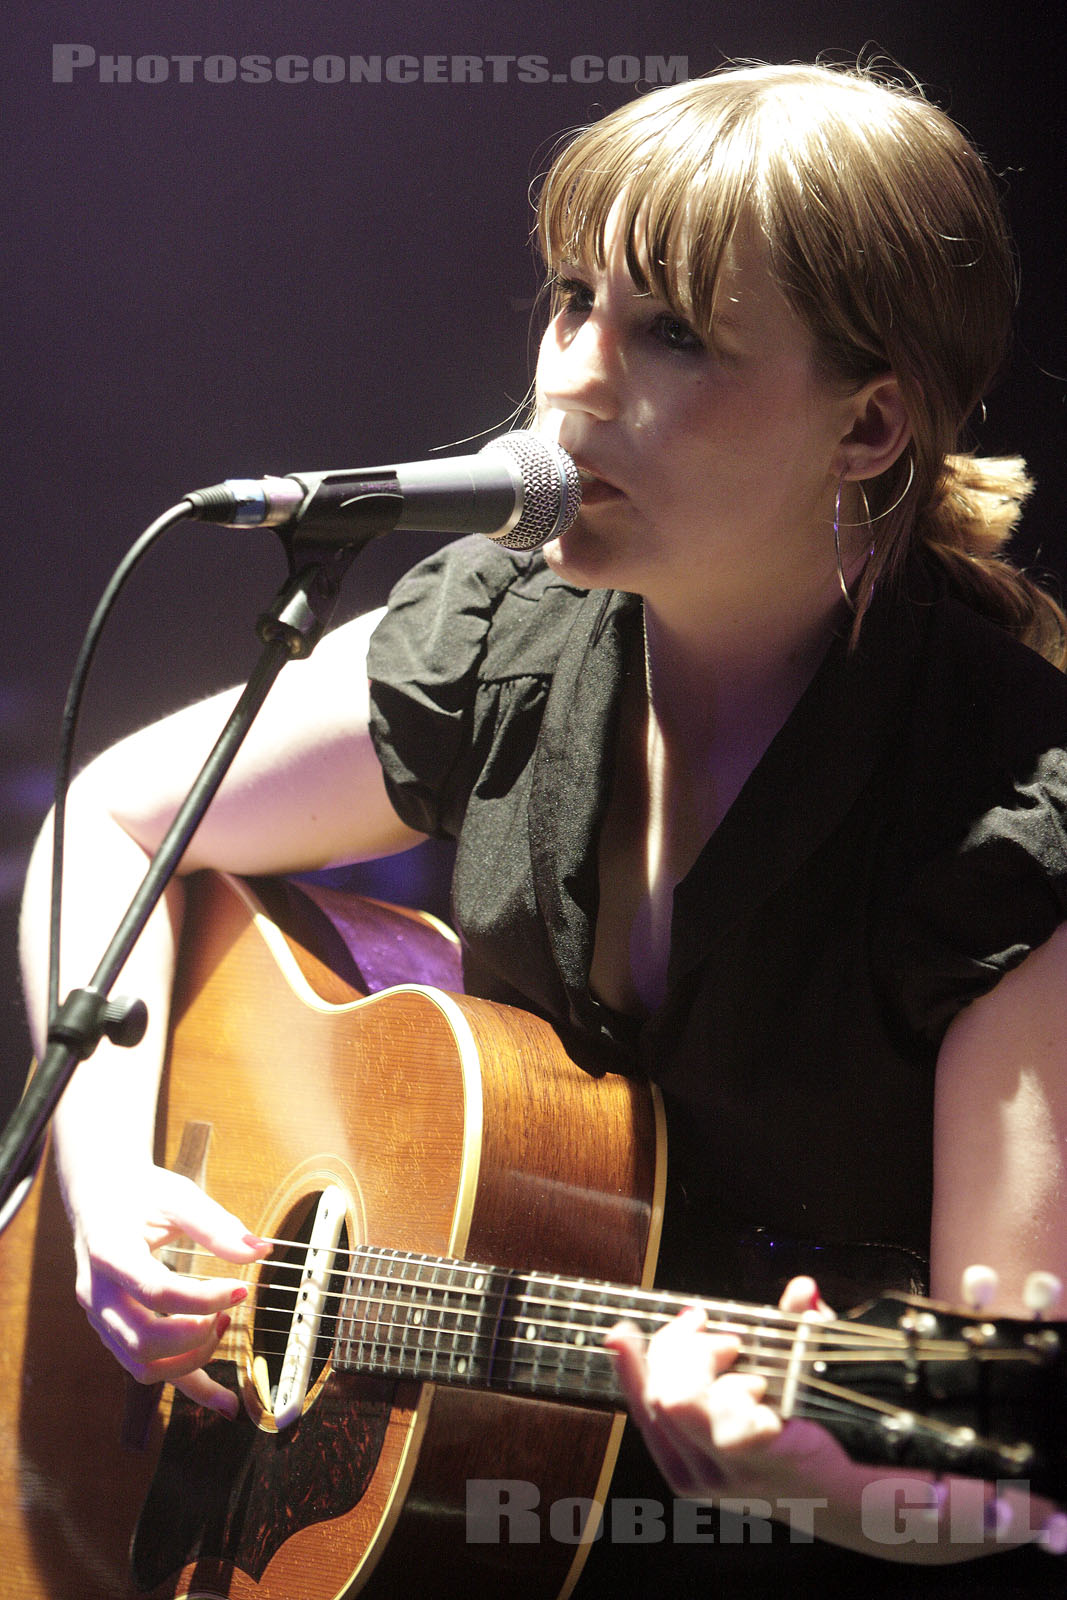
(844, 1340)
(374, 1333)
(833, 1334)
(401, 1333)
(630, 1298)
(765, 1317)
(840, 1340)
(820, 1397)
(410, 1338)
(600, 1318)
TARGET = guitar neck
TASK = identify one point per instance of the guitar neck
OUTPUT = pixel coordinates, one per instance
(453, 1322)
(904, 1382)
(541, 1335)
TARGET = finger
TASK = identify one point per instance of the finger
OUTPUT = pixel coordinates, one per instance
(712, 1409)
(180, 1207)
(177, 1367)
(101, 1281)
(627, 1345)
(679, 1468)
(683, 1360)
(204, 1391)
(139, 1337)
(802, 1294)
(670, 1364)
(736, 1414)
(160, 1357)
(115, 1252)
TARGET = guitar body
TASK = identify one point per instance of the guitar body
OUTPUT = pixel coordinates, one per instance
(451, 1126)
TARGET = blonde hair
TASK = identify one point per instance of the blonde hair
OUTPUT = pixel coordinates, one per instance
(886, 236)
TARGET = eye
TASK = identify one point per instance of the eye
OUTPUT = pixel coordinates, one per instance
(573, 297)
(676, 334)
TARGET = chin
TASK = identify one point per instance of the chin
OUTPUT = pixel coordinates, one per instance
(582, 559)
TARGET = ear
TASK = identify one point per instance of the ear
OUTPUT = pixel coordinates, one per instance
(880, 431)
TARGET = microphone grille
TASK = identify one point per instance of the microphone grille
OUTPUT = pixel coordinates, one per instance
(552, 491)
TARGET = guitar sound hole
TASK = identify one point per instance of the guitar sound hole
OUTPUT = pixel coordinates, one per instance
(279, 1299)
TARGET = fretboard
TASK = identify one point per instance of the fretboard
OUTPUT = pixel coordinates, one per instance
(458, 1323)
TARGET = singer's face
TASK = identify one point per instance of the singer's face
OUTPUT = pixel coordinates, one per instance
(701, 467)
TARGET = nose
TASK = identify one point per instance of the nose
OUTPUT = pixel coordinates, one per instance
(578, 368)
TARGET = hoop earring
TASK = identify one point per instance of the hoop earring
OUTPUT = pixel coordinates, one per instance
(838, 525)
(868, 522)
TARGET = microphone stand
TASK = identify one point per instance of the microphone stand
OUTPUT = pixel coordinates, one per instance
(288, 631)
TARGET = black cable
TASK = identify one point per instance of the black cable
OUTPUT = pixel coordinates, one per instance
(71, 710)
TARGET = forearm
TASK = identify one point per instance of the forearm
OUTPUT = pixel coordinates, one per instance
(108, 1110)
(904, 1516)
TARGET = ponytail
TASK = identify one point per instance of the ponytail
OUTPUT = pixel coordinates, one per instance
(966, 528)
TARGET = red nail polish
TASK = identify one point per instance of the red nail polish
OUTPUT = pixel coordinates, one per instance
(222, 1323)
(237, 1296)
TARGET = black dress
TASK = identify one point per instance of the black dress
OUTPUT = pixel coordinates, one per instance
(900, 846)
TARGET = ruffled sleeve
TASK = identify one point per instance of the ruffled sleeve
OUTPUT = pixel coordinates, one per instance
(991, 884)
(979, 909)
(461, 630)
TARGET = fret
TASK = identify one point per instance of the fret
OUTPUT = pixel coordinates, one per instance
(439, 1317)
(381, 1319)
(422, 1318)
(379, 1355)
(530, 1334)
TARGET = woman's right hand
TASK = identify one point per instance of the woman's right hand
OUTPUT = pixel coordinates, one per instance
(161, 1325)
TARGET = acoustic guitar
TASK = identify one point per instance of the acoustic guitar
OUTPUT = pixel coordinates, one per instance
(459, 1211)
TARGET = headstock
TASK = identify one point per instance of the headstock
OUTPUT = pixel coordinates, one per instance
(950, 1390)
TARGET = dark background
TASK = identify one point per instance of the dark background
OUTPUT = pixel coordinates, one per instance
(217, 280)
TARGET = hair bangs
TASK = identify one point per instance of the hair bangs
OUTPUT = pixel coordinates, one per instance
(678, 200)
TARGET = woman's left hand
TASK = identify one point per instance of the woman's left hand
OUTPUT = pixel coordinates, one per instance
(707, 1426)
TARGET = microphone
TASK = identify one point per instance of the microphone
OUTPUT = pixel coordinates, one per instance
(520, 490)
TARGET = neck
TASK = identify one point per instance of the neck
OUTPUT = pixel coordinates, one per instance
(739, 675)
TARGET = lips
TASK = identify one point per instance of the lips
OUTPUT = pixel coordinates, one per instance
(595, 488)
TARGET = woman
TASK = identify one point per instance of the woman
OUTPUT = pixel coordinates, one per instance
(756, 773)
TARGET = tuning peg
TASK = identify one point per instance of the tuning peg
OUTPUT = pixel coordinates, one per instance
(1054, 1534)
(978, 1287)
(1041, 1292)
